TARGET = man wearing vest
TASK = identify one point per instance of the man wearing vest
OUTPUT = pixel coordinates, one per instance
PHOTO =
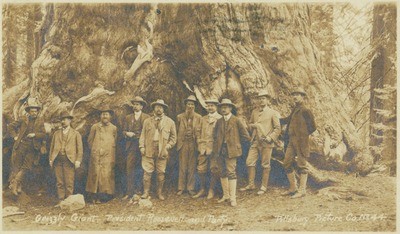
(205, 145)
(300, 125)
(66, 153)
(265, 128)
(131, 130)
(229, 133)
(28, 134)
(188, 124)
(158, 136)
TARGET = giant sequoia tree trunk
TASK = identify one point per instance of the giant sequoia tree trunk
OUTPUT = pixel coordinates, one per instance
(169, 51)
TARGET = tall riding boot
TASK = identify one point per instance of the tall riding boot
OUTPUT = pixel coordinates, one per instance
(202, 186)
(292, 184)
(18, 182)
(302, 189)
(232, 191)
(264, 183)
(146, 184)
(225, 190)
(212, 186)
(252, 175)
(160, 185)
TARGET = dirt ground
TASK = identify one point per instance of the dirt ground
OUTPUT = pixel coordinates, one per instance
(371, 208)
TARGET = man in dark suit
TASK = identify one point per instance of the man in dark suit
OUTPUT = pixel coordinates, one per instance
(300, 125)
(229, 133)
(131, 130)
(188, 124)
(28, 134)
(66, 152)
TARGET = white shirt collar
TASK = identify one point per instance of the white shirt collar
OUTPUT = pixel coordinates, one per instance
(137, 114)
(66, 130)
(213, 115)
(227, 117)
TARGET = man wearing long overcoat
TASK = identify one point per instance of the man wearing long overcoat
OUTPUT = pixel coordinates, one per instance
(102, 142)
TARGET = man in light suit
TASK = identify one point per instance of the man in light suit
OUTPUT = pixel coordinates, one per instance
(66, 153)
(205, 147)
(187, 124)
(157, 138)
(265, 128)
(131, 130)
(229, 133)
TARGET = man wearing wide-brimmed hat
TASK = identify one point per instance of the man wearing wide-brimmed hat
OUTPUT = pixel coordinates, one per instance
(205, 147)
(188, 123)
(102, 141)
(157, 138)
(229, 133)
(28, 133)
(300, 125)
(131, 130)
(66, 152)
(265, 129)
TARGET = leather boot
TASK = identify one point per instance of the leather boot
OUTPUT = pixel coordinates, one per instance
(225, 190)
(292, 184)
(264, 183)
(302, 189)
(252, 175)
(202, 186)
(160, 185)
(232, 191)
(146, 185)
(211, 189)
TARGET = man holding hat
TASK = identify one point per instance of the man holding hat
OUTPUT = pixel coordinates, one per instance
(66, 152)
(205, 147)
(102, 141)
(300, 125)
(187, 124)
(229, 133)
(28, 134)
(131, 130)
(157, 138)
(265, 128)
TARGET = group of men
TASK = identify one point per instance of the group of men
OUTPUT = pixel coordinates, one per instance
(208, 145)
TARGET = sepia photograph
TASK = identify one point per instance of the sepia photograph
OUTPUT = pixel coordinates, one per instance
(199, 116)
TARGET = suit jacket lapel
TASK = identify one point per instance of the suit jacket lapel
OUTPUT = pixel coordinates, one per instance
(69, 135)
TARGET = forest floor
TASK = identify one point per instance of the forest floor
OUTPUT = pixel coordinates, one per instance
(372, 207)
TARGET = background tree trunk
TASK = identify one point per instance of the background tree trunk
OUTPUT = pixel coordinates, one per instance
(169, 51)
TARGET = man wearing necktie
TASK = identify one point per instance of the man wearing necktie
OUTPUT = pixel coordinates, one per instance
(205, 147)
(187, 124)
(300, 125)
(265, 128)
(157, 138)
(65, 156)
(229, 133)
(131, 130)
(28, 133)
